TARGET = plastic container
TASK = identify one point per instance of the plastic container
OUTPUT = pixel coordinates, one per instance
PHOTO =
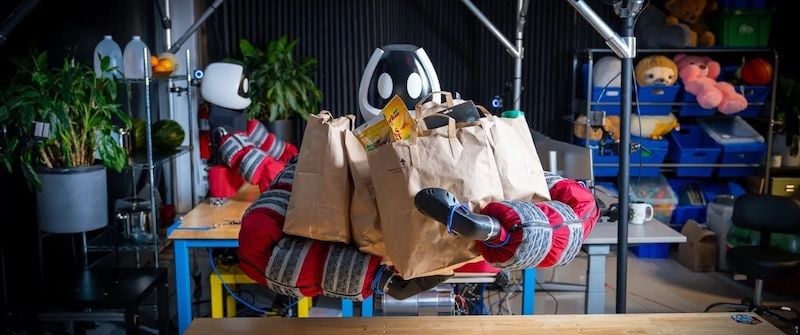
(134, 61)
(652, 250)
(692, 108)
(608, 99)
(756, 97)
(743, 4)
(741, 144)
(691, 144)
(652, 152)
(744, 27)
(108, 48)
(657, 192)
(656, 94)
(687, 210)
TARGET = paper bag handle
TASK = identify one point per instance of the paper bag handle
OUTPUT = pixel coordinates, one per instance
(483, 110)
(420, 126)
(448, 102)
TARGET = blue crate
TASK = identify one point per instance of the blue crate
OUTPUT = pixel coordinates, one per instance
(692, 109)
(743, 4)
(691, 144)
(656, 155)
(685, 211)
(608, 99)
(753, 94)
(659, 94)
(741, 144)
(652, 250)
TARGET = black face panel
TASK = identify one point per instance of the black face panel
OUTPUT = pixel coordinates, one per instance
(399, 65)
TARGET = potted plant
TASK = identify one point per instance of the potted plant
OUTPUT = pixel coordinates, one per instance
(788, 109)
(281, 86)
(58, 134)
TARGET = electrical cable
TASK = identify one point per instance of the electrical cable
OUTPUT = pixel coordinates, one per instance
(555, 301)
(228, 289)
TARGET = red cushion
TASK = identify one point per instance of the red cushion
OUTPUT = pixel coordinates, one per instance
(261, 229)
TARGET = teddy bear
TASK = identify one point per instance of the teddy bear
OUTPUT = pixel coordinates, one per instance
(656, 70)
(699, 74)
(693, 13)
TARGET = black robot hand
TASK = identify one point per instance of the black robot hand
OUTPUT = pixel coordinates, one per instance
(402, 289)
(438, 203)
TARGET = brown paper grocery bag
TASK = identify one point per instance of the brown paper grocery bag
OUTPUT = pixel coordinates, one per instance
(320, 204)
(520, 169)
(459, 160)
(365, 224)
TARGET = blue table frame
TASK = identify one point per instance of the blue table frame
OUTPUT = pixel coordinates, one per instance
(183, 281)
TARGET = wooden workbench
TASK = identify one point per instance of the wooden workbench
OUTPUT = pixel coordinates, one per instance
(694, 323)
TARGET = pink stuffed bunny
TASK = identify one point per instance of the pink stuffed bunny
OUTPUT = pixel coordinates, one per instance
(699, 75)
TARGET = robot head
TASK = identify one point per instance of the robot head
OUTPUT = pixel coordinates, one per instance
(225, 85)
(396, 69)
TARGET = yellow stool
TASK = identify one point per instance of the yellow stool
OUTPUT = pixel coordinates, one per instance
(232, 276)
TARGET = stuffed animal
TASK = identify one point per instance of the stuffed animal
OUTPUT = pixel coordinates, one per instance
(656, 70)
(699, 75)
(606, 72)
(653, 31)
(652, 126)
(580, 130)
(693, 13)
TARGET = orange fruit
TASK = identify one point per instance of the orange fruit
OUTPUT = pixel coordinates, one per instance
(160, 68)
(153, 60)
(166, 63)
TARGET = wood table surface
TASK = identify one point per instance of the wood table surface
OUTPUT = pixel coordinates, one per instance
(208, 221)
(596, 324)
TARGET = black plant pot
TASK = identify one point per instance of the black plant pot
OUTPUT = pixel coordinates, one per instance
(283, 129)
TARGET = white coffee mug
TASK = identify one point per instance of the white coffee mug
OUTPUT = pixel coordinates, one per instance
(641, 212)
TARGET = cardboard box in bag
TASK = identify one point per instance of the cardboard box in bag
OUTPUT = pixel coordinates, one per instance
(699, 252)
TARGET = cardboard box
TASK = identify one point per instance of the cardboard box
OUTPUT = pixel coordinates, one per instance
(699, 253)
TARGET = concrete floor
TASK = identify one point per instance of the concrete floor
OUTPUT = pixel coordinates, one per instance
(654, 286)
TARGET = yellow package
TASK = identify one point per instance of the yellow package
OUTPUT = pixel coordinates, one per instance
(373, 133)
(399, 119)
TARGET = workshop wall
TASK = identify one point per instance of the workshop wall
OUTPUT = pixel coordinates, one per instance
(467, 57)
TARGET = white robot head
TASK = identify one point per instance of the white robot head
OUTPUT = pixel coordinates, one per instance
(396, 69)
(225, 85)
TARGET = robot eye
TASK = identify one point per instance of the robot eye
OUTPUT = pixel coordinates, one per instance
(414, 85)
(385, 85)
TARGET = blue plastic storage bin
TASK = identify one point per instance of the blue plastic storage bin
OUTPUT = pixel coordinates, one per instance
(743, 4)
(653, 250)
(692, 108)
(608, 99)
(686, 211)
(756, 97)
(741, 144)
(656, 94)
(691, 144)
(653, 152)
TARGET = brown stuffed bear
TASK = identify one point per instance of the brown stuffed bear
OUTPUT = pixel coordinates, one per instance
(693, 13)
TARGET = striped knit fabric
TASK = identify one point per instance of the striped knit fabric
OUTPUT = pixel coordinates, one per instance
(348, 272)
(233, 148)
(262, 227)
(269, 143)
(543, 234)
(295, 267)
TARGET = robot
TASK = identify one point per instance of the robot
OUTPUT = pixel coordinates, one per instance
(242, 150)
(396, 69)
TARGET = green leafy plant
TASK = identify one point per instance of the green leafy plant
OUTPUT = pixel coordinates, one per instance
(788, 109)
(280, 84)
(81, 112)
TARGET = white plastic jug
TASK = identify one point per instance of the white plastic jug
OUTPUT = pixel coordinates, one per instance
(134, 59)
(108, 48)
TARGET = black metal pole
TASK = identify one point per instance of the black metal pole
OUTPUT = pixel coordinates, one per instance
(624, 167)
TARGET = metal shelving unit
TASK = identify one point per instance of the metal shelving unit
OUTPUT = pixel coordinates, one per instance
(109, 240)
(581, 106)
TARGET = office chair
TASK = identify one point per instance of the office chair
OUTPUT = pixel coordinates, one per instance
(767, 214)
